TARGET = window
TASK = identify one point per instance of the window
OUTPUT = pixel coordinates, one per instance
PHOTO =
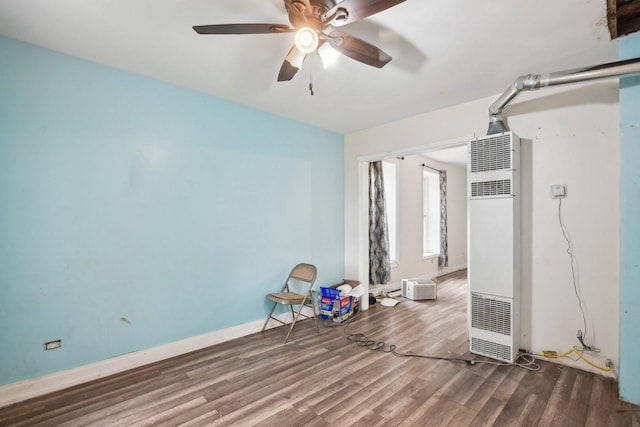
(389, 173)
(430, 213)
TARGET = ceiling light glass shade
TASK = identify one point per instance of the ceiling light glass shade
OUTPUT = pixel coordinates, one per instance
(306, 40)
(296, 58)
(328, 55)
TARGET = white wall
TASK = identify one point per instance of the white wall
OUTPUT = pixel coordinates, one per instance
(570, 136)
(410, 260)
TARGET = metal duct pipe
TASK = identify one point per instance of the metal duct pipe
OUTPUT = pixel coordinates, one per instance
(537, 81)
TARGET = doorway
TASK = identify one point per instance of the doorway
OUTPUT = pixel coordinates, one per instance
(413, 260)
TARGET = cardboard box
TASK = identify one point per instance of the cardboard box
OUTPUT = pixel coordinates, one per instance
(333, 306)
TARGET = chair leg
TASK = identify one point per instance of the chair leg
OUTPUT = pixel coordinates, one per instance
(315, 316)
(293, 323)
(269, 317)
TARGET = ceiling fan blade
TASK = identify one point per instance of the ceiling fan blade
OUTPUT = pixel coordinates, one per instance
(242, 29)
(359, 9)
(358, 49)
(287, 72)
(291, 64)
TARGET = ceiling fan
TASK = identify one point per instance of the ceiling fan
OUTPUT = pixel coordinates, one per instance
(310, 20)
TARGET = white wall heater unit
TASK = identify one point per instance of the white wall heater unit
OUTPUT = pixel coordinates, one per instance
(418, 289)
(494, 246)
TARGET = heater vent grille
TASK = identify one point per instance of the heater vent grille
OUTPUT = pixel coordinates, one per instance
(491, 154)
(491, 188)
(491, 315)
(491, 349)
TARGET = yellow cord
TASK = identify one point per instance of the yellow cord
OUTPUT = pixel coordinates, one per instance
(554, 355)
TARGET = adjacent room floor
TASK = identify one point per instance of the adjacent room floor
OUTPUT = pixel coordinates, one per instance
(324, 379)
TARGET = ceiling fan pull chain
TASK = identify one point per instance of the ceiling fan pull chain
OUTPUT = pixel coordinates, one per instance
(311, 74)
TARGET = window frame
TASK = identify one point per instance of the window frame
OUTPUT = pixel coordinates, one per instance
(430, 207)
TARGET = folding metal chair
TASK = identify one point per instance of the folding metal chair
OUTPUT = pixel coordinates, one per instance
(306, 274)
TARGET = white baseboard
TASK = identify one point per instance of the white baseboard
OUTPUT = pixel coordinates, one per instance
(580, 364)
(27, 389)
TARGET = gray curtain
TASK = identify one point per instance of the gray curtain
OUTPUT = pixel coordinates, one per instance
(379, 263)
(443, 259)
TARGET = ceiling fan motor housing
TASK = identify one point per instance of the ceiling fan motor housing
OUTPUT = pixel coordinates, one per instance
(302, 16)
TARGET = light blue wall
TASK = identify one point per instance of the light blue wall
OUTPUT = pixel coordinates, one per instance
(630, 227)
(134, 213)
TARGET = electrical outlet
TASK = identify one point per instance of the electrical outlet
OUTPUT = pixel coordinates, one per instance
(52, 345)
(558, 191)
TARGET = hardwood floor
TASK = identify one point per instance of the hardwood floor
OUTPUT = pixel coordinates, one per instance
(321, 379)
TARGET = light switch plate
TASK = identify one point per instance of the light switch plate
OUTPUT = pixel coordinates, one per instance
(558, 191)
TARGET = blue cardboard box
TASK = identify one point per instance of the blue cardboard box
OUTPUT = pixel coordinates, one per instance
(333, 306)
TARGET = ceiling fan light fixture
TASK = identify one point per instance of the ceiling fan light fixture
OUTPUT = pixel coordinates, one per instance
(307, 40)
(328, 55)
(295, 58)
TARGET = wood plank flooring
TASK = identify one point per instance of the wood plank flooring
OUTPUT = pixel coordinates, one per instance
(322, 379)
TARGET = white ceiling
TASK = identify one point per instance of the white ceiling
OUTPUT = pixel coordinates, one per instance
(444, 52)
(456, 156)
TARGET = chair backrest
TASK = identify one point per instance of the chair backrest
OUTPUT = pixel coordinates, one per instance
(304, 272)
